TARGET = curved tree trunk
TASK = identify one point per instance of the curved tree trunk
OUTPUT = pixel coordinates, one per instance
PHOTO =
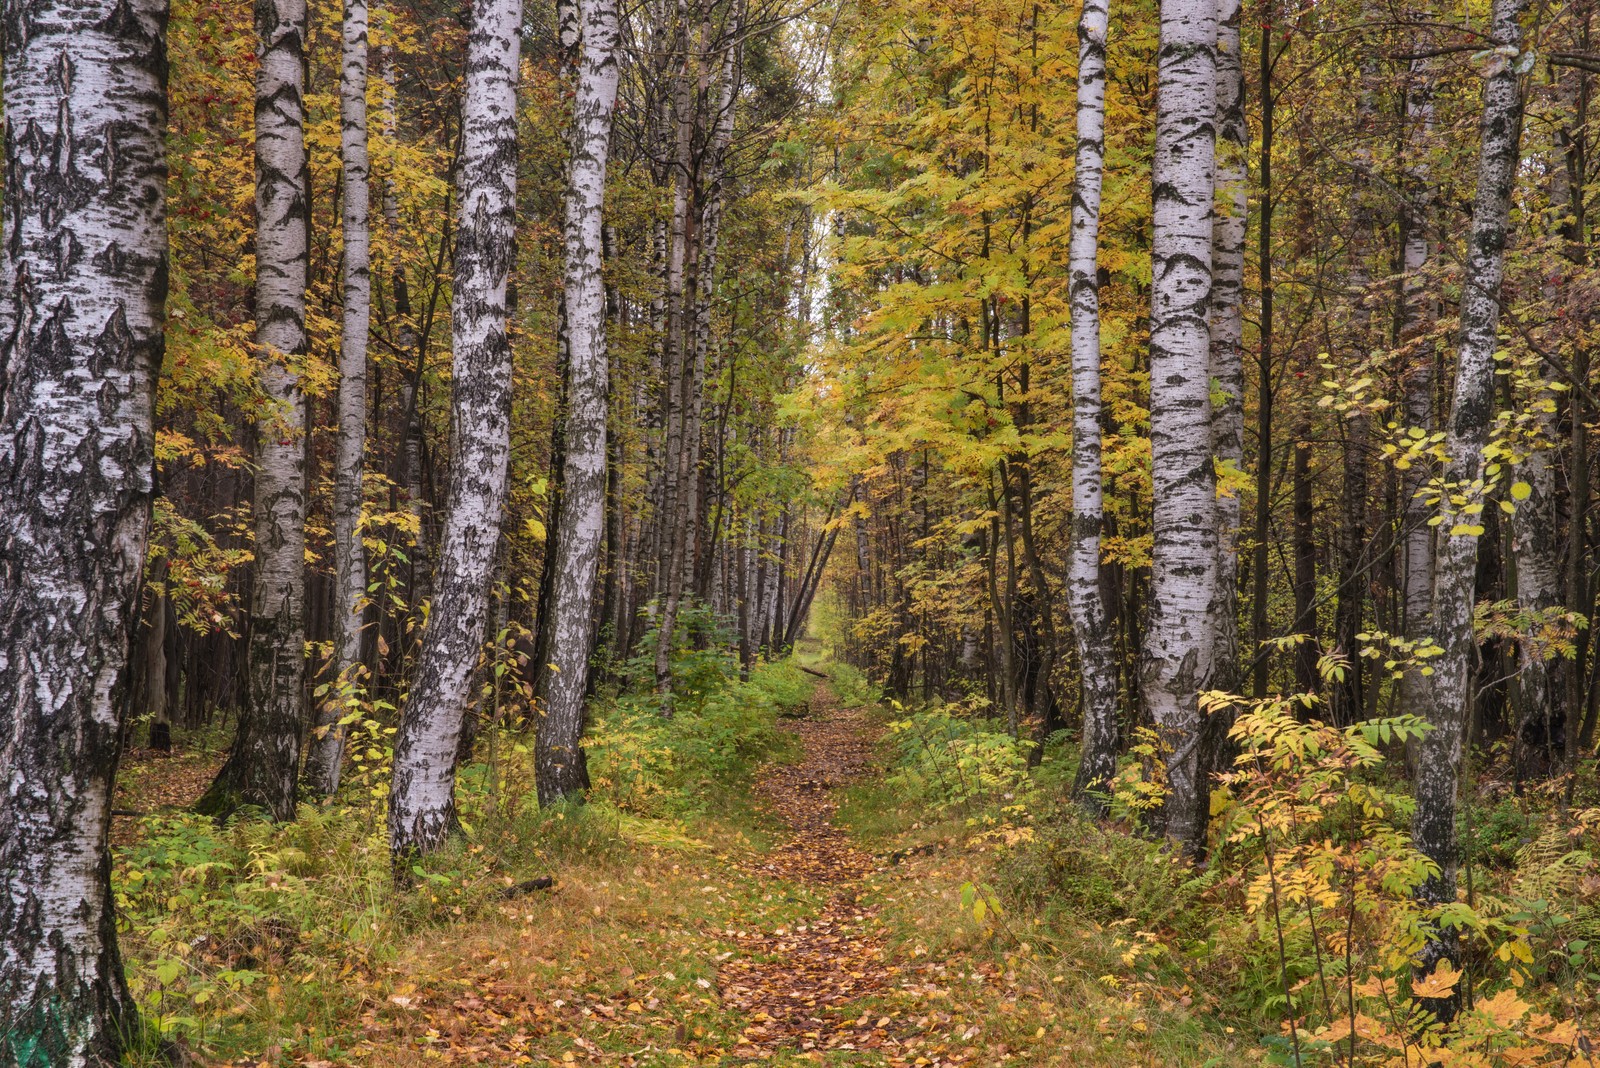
(83, 279)
(422, 810)
(350, 558)
(1097, 663)
(558, 751)
(265, 759)
(1178, 642)
(1447, 702)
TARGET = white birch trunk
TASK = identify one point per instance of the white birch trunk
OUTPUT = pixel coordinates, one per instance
(1227, 340)
(422, 811)
(1417, 313)
(1447, 702)
(1178, 642)
(265, 759)
(350, 558)
(558, 753)
(1084, 598)
(83, 273)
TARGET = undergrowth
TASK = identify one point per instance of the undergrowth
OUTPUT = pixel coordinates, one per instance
(252, 936)
(1300, 933)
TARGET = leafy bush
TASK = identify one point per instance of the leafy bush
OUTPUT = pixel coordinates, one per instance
(1074, 868)
(210, 911)
(781, 682)
(852, 686)
(676, 766)
(1493, 837)
(1331, 881)
(948, 757)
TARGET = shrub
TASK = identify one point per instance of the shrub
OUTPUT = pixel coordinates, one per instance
(677, 766)
(1075, 868)
(781, 682)
(947, 757)
(852, 686)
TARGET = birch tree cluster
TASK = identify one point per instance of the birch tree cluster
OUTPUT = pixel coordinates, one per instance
(389, 374)
(376, 350)
(1197, 347)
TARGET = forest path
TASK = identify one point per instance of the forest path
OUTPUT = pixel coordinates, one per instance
(803, 986)
(786, 955)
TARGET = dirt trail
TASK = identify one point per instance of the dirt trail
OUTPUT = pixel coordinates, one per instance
(800, 985)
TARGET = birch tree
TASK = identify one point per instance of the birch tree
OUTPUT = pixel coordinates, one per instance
(1098, 669)
(1446, 703)
(422, 812)
(1417, 311)
(83, 280)
(350, 561)
(558, 756)
(1178, 643)
(265, 759)
(1227, 334)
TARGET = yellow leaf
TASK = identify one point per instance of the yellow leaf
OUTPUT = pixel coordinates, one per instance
(1439, 984)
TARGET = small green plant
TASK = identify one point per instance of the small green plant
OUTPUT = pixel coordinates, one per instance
(952, 758)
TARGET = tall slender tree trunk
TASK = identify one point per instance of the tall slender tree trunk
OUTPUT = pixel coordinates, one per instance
(155, 633)
(558, 752)
(1227, 367)
(1260, 577)
(350, 558)
(693, 340)
(1447, 702)
(1097, 666)
(1575, 141)
(83, 283)
(1303, 542)
(1537, 547)
(1347, 691)
(422, 810)
(1179, 641)
(158, 666)
(265, 759)
(1417, 312)
(1227, 329)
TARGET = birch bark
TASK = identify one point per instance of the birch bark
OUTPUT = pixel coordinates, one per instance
(265, 759)
(1417, 312)
(1178, 641)
(1097, 662)
(422, 811)
(558, 752)
(1446, 703)
(350, 558)
(1227, 342)
(83, 280)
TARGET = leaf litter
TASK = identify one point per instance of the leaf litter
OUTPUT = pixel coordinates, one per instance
(790, 965)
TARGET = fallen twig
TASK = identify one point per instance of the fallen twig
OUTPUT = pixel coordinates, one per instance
(528, 886)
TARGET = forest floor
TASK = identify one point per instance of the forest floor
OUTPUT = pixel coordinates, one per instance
(781, 938)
